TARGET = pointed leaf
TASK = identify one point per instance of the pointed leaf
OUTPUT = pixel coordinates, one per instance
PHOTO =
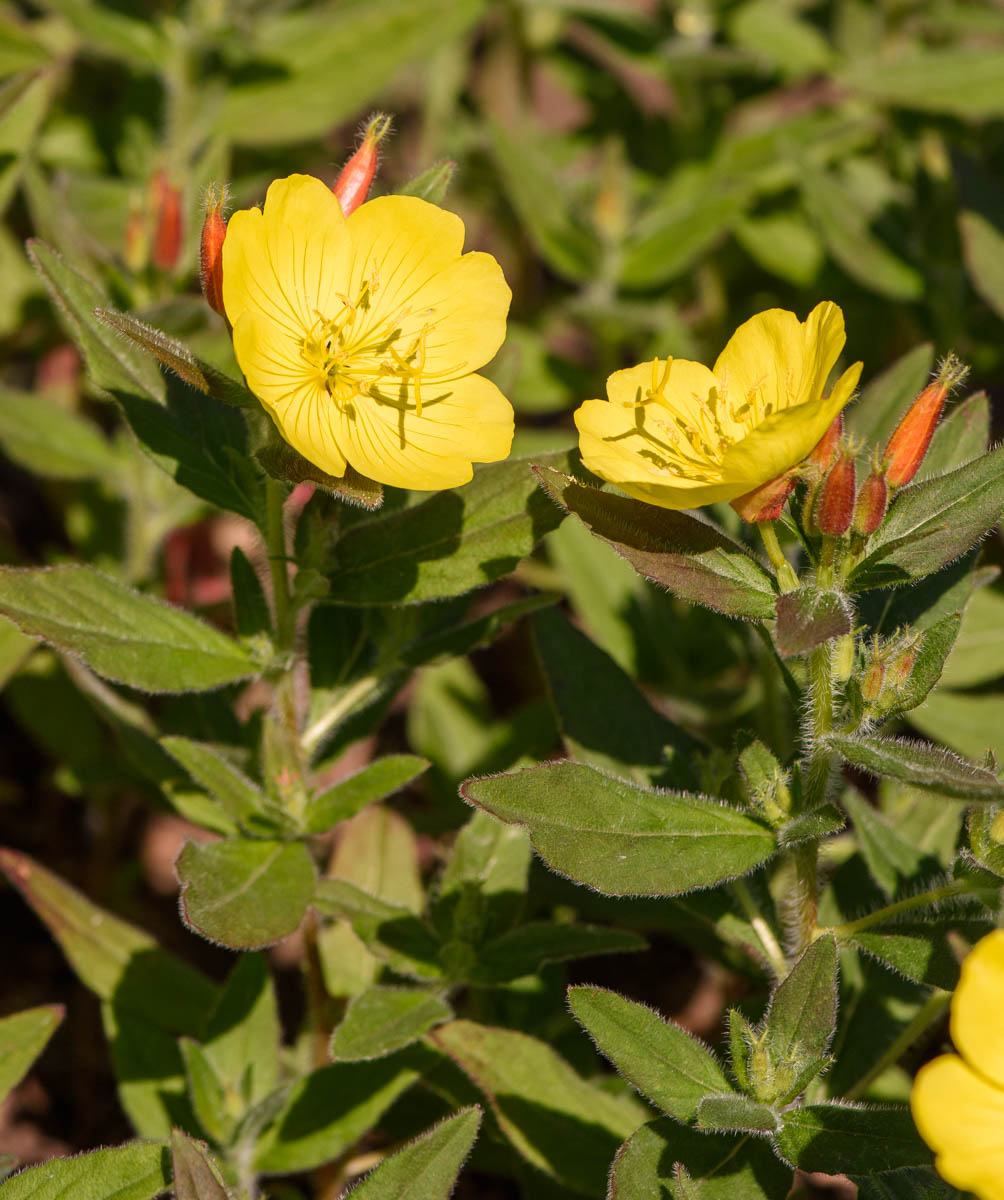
(524, 950)
(350, 796)
(959, 438)
(196, 1176)
(390, 931)
(841, 1137)
(807, 618)
(737, 1113)
(803, 1010)
(977, 655)
(238, 796)
(426, 1167)
(432, 184)
(619, 838)
(920, 764)
(23, 1036)
(242, 893)
(252, 616)
(892, 861)
(384, 1019)
(664, 1062)
(135, 1171)
(882, 403)
(924, 949)
(53, 441)
(119, 633)
(932, 653)
(454, 541)
(243, 1033)
(970, 723)
(206, 1092)
(682, 552)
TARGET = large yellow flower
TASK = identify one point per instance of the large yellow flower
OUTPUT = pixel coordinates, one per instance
(678, 435)
(958, 1103)
(361, 335)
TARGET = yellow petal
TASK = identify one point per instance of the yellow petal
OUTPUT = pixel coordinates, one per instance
(787, 437)
(293, 393)
(288, 260)
(961, 1117)
(468, 420)
(977, 1008)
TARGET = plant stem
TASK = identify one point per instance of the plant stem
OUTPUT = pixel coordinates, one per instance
(786, 577)
(958, 887)
(275, 540)
(771, 947)
(929, 1012)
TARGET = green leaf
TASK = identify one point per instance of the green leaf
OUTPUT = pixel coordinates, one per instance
(196, 1176)
(977, 655)
(983, 250)
(23, 1036)
(243, 1033)
(52, 441)
(920, 764)
(206, 1092)
(776, 33)
(327, 1111)
(384, 1019)
(525, 950)
(427, 1166)
(454, 541)
(737, 1113)
(562, 1124)
(924, 948)
(278, 459)
(843, 223)
(891, 860)
(119, 633)
(378, 852)
(469, 635)
(931, 523)
(803, 1009)
(605, 720)
(350, 796)
(684, 553)
(716, 1166)
(664, 1062)
(807, 618)
(238, 796)
(245, 894)
(390, 931)
(110, 33)
(201, 444)
(493, 860)
(962, 436)
(783, 243)
(112, 363)
(135, 1171)
(548, 214)
(887, 397)
(841, 1137)
(111, 957)
(15, 648)
(934, 649)
(960, 81)
(149, 1071)
(251, 612)
(432, 184)
(970, 724)
(619, 838)
(319, 67)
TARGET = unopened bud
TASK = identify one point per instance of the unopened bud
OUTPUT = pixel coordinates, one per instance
(901, 667)
(167, 233)
(135, 240)
(908, 445)
(834, 505)
(353, 183)
(826, 448)
(765, 502)
(214, 230)
(871, 504)
(871, 683)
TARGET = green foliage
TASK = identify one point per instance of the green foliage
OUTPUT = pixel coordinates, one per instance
(431, 1162)
(23, 1036)
(135, 1171)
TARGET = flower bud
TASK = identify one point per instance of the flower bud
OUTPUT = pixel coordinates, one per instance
(871, 504)
(834, 505)
(214, 230)
(826, 448)
(908, 445)
(901, 667)
(135, 240)
(765, 502)
(167, 214)
(353, 183)
(874, 677)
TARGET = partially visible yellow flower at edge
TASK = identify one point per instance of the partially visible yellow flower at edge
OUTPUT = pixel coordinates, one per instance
(678, 435)
(361, 335)
(958, 1102)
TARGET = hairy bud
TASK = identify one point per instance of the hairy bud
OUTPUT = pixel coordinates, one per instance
(765, 502)
(167, 231)
(353, 183)
(825, 452)
(834, 505)
(871, 503)
(214, 230)
(908, 445)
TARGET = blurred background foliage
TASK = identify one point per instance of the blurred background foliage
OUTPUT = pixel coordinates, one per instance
(649, 175)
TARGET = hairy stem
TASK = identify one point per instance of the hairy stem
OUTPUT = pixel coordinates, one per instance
(930, 1011)
(786, 577)
(275, 540)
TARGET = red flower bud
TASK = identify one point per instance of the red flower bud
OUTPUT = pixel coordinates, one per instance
(167, 210)
(906, 448)
(871, 684)
(353, 183)
(826, 448)
(901, 668)
(765, 502)
(214, 230)
(872, 501)
(834, 505)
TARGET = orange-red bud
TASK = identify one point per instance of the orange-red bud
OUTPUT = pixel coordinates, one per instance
(765, 502)
(353, 183)
(908, 445)
(871, 504)
(167, 210)
(214, 230)
(834, 505)
(901, 668)
(871, 684)
(826, 448)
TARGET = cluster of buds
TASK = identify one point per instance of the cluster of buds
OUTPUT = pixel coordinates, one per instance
(763, 1073)
(351, 189)
(887, 670)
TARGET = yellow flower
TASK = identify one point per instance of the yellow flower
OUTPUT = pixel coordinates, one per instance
(958, 1103)
(678, 435)
(361, 335)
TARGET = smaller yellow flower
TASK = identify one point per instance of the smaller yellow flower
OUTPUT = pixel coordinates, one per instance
(361, 335)
(958, 1103)
(678, 435)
